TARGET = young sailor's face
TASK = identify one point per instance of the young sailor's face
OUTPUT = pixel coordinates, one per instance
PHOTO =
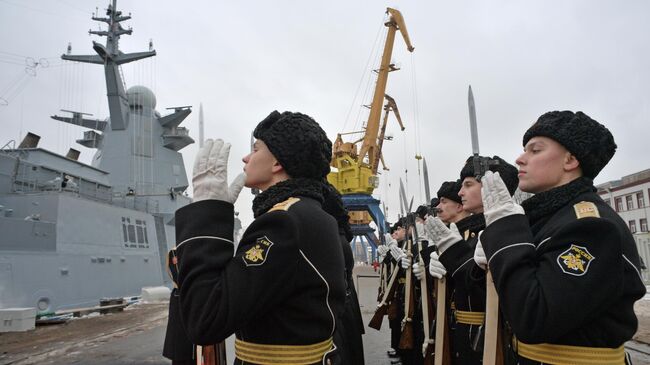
(470, 195)
(399, 234)
(448, 210)
(542, 165)
(259, 166)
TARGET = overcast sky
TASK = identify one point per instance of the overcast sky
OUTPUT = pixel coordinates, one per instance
(244, 59)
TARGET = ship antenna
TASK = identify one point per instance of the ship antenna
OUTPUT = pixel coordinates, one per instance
(111, 57)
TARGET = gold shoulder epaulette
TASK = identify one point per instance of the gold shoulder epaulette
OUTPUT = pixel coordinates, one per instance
(285, 205)
(586, 209)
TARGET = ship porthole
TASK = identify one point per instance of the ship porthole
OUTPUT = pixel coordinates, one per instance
(43, 304)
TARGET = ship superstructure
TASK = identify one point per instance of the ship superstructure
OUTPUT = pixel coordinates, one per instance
(73, 233)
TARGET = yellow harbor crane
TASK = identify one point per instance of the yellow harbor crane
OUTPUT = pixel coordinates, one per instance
(355, 173)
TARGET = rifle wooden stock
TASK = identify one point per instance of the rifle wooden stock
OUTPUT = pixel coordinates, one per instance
(406, 340)
(492, 350)
(442, 355)
(378, 317)
(393, 310)
(211, 355)
(382, 307)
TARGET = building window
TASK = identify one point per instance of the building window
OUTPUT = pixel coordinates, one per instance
(644, 224)
(619, 204)
(639, 200)
(632, 226)
(628, 201)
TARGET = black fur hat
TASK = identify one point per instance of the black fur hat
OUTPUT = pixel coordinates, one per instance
(422, 211)
(400, 223)
(298, 142)
(589, 141)
(507, 171)
(449, 190)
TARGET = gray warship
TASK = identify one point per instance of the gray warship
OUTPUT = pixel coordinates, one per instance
(72, 233)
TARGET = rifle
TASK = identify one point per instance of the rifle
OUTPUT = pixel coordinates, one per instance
(492, 353)
(442, 355)
(393, 307)
(382, 307)
(492, 349)
(382, 281)
(406, 340)
(427, 313)
(211, 354)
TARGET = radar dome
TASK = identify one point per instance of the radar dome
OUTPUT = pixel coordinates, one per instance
(140, 96)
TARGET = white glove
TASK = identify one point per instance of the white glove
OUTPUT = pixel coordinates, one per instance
(210, 175)
(436, 269)
(418, 271)
(405, 262)
(419, 227)
(497, 202)
(390, 241)
(397, 253)
(425, 345)
(440, 235)
(479, 254)
(382, 249)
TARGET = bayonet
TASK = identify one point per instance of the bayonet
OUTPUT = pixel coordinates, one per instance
(427, 193)
(472, 122)
(402, 198)
(481, 165)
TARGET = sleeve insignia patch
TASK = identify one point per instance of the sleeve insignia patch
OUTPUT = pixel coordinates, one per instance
(586, 209)
(575, 261)
(256, 255)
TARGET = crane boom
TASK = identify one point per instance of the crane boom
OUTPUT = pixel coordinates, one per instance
(369, 146)
(356, 170)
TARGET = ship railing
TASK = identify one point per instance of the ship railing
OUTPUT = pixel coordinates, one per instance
(11, 145)
(31, 178)
(136, 202)
(9, 148)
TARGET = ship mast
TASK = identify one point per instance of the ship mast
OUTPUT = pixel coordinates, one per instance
(111, 57)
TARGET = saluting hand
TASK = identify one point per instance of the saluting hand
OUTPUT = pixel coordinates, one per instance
(405, 262)
(422, 234)
(210, 175)
(397, 253)
(441, 235)
(381, 251)
(497, 202)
